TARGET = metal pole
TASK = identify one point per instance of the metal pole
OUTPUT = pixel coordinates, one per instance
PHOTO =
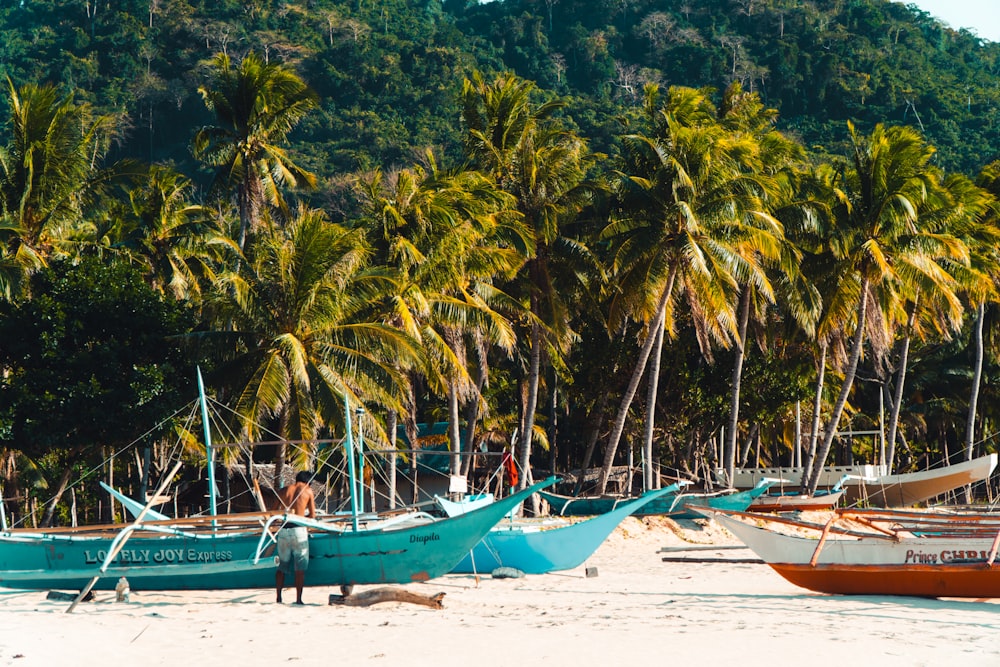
(349, 452)
(210, 453)
(359, 412)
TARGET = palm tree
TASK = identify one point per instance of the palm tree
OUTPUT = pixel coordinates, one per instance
(179, 243)
(256, 106)
(880, 246)
(982, 235)
(544, 167)
(766, 182)
(451, 236)
(955, 208)
(682, 209)
(50, 173)
(306, 330)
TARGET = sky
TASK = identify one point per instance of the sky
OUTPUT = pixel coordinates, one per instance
(979, 16)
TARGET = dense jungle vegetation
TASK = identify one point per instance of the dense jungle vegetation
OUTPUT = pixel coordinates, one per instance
(699, 235)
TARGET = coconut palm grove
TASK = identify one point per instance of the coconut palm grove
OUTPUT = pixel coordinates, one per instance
(646, 235)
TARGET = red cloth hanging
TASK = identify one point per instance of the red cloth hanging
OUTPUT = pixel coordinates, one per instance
(510, 468)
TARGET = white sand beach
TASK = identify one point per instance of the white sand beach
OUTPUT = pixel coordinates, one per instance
(637, 610)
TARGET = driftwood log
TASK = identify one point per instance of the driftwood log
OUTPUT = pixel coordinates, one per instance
(386, 594)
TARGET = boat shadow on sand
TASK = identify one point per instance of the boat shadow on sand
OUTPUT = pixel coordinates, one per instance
(869, 606)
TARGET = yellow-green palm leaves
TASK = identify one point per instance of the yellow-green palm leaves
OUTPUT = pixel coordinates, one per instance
(256, 105)
(689, 224)
(307, 328)
(882, 250)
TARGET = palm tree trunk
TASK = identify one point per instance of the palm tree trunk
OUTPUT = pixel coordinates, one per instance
(50, 509)
(282, 454)
(471, 414)
(752, 437)
(472, 408)
(729, 448)
(838, 409)
(531, 402)
(553, 424)
(244, 205)
(817, 408)
(593, 434)
(977, 376)
(897, 399)
(391, 420)
(797, 451)
(633, 385)
(412, 434)
(647, 440)
(454, 435)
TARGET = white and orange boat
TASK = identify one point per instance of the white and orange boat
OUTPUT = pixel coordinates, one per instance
(795, 501)
(874, 485)
(878, 552)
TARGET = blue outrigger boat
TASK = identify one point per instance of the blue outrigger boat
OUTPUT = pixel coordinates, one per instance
(674, 505)
(537, 548)
(686, 505)
(235, 551)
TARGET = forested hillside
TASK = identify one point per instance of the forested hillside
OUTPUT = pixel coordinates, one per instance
(388, 72)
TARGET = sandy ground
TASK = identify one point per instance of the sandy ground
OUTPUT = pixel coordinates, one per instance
(637, 610)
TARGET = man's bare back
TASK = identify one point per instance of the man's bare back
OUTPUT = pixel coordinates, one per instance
(298, 497)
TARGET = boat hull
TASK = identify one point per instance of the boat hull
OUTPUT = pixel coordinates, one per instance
(664, 502)
(537, 549)
(965, 580)
(878, 488)
(225, 559)
(687, 506)
(941, 566)
(794, 502)
(586, 505)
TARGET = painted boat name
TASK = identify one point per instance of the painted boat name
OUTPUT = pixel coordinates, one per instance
(946, 556)
(159, 556)
(424, 539)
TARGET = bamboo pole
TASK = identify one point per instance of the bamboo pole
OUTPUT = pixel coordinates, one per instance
(118, 547)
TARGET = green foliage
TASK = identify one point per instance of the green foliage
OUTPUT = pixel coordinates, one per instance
(387, 79)
(92, 359)
(387, 73)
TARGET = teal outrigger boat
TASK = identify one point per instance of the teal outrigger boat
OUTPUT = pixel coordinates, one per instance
(235, 551)
(674, 505)
(537, 548)
(685, 505)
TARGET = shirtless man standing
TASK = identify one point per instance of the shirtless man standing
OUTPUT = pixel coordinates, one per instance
(293, 541)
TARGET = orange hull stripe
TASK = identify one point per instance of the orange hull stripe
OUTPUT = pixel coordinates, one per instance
(974, 580)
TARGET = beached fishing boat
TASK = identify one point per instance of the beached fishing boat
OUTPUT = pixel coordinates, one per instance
(544, 545)
(876, 486)
(792, 501)
(675, 505)
(796, 502)
(688, 505)
(236, 551)
(877, 552)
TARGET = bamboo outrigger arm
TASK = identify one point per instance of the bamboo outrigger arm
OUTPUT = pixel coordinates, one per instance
(123, 536)
(822, 541)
